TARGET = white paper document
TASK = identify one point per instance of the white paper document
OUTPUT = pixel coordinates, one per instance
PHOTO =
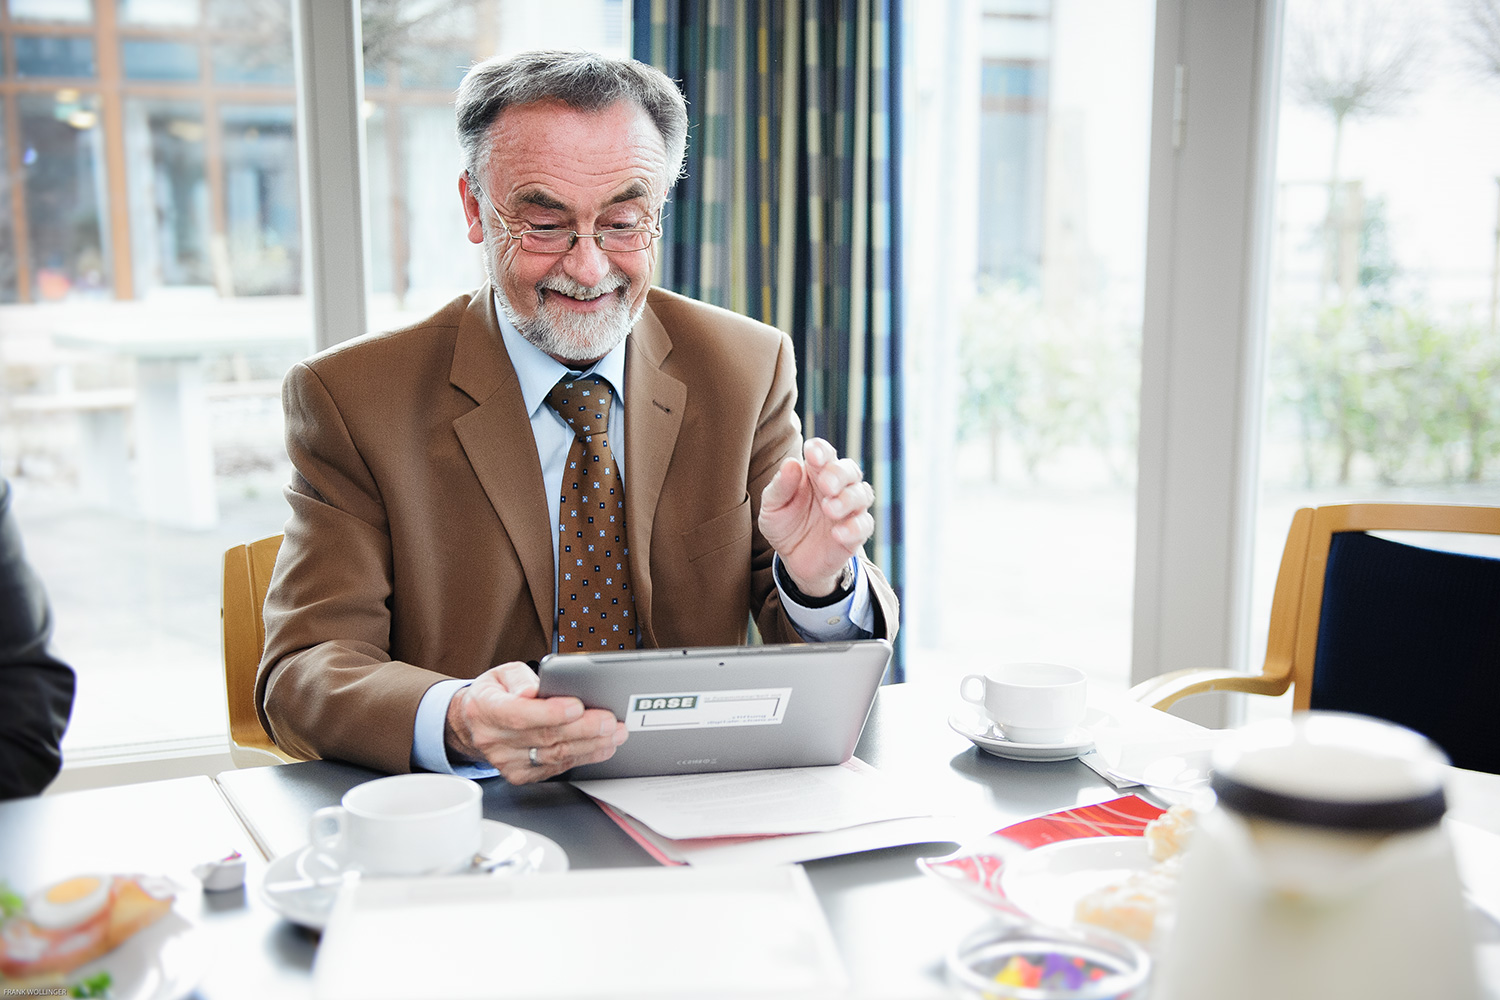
(791, 848)
(756, 803)
(1137, 745)
(633, 932)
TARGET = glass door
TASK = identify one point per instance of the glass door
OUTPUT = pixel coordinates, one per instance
(1028, 126)
(1382, 344)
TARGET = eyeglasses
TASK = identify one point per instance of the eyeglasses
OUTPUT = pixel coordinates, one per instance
(563, 240)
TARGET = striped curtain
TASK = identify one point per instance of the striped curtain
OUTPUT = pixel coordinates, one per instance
(788, 206)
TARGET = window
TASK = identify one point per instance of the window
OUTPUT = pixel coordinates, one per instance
(1012, 168)
(54, 11)
(62, 158)
(159, 13)
(148, 59)
(49, 56)
(1382, 347)
(1023, 331)
(261, 216)
(170, 229)
(152, 290)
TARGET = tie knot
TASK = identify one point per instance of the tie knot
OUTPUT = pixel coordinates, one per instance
(583, 402)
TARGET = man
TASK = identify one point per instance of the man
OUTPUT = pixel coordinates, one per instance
(438, 524)
(36, 690)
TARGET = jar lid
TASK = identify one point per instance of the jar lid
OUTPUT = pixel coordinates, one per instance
(1332, 769)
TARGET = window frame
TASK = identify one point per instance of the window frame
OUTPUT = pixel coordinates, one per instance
(1215, 102)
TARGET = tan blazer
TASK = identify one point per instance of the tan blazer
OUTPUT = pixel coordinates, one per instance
(419, 545)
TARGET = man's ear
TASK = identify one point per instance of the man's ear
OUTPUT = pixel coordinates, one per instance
(471, 209)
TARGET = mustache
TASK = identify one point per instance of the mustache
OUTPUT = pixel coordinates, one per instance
(565, 285)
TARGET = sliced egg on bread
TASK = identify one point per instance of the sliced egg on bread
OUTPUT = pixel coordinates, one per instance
(70, 902)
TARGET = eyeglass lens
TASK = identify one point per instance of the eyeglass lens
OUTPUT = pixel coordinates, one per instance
(562, 240)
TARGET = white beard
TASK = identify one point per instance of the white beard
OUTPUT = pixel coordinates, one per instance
(567, 335)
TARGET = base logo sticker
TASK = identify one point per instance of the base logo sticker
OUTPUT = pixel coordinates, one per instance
(707, 709)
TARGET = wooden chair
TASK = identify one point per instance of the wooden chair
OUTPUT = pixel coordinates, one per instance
(1365, 624)
(247, 575)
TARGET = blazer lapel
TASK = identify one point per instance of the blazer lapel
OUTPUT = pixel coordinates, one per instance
(497, 438)
(654, 404)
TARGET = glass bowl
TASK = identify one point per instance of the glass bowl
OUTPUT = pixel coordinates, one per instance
(1007, 961)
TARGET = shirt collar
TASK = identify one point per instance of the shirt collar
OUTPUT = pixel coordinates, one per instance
(538, 371)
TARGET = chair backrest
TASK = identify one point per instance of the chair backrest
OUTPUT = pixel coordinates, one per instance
(247, 575)
(1405, 633)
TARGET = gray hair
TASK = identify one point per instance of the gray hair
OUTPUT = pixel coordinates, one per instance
(586, 81)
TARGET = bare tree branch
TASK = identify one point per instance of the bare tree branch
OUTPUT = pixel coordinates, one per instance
(1352, 58)
(1479, 31)
(388, 26)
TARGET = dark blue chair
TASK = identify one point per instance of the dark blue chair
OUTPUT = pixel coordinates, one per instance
(1361, 623)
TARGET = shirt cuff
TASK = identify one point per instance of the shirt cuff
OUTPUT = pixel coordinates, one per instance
(851, 618)
(429, 751)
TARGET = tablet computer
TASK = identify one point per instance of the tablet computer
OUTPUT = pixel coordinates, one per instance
(724, 708)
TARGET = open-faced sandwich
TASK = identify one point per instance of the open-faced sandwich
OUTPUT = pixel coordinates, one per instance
(70, 923)
(1138, 905)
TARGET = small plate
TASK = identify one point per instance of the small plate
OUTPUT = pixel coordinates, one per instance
(1047, 882)
(158, 962)
(983, 734)
(310, 907)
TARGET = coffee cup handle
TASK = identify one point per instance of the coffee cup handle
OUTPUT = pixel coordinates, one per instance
(325, 833)
(963, 688)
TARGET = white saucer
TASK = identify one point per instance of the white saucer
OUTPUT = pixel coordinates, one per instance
(982, 733)
(310, 907)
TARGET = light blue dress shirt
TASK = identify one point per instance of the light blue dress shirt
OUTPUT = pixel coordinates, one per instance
(538, 372)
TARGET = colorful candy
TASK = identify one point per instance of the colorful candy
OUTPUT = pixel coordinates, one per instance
(1048, 970)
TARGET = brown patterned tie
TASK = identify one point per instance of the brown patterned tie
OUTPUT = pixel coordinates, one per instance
(595, 608)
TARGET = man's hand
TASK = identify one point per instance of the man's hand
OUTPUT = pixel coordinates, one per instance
(816, 513)
(499, 719)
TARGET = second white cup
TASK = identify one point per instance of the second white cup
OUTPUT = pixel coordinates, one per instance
(1030, 702)
(407, 824)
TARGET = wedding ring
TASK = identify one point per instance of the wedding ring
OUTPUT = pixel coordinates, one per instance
(531, 755)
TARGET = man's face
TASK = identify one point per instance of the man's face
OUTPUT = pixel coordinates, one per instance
(554, 167)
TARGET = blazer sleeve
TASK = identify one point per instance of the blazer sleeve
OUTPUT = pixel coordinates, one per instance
(327, 685)
(36, 689)
(778, 434)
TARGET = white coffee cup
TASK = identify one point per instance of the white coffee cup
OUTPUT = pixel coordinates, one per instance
(407, 824)
(1030, 702)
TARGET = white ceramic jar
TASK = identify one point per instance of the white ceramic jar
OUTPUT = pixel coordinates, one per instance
(1322, 871)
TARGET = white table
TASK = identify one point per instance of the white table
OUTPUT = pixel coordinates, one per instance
(171, 344)
(891, 924)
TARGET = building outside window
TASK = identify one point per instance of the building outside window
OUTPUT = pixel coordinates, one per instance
(1013, 157)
